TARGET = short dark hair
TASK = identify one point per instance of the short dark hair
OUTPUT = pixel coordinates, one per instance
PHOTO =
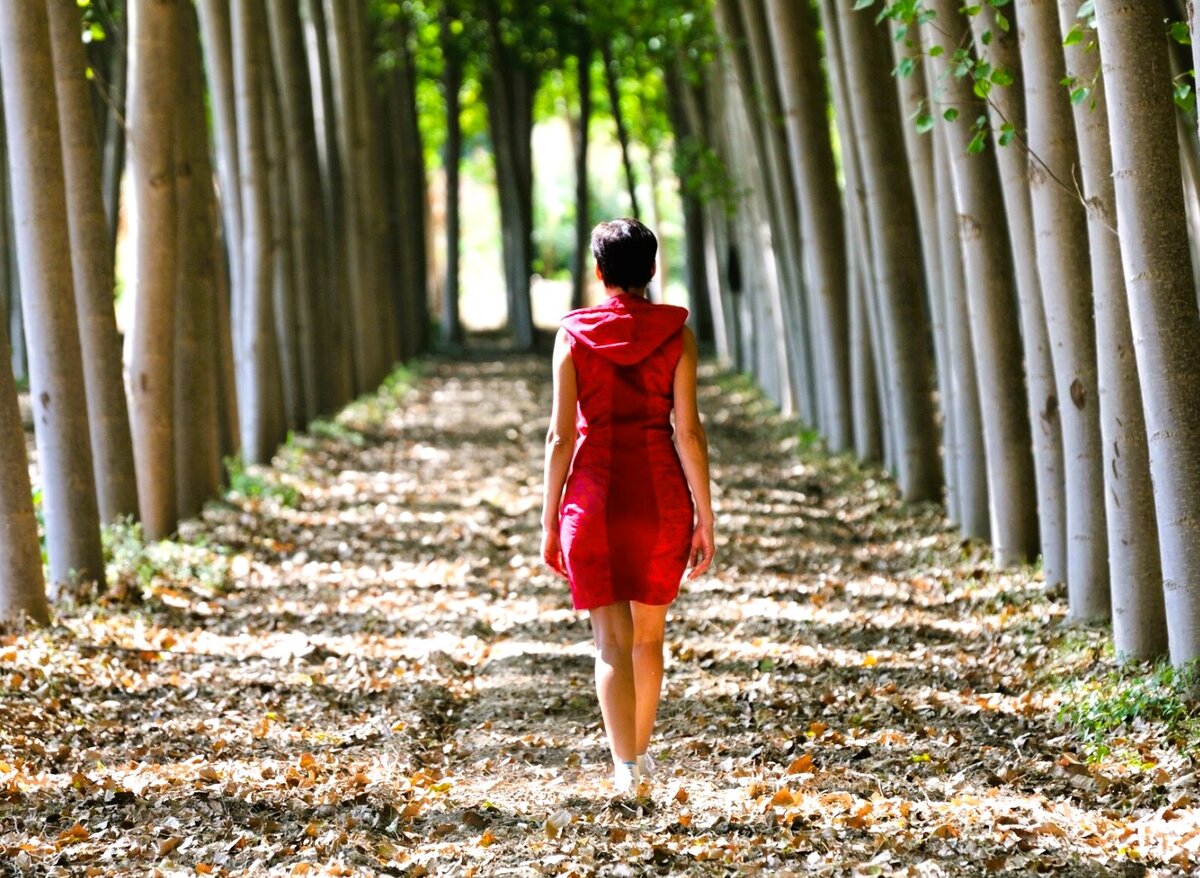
(624, 251)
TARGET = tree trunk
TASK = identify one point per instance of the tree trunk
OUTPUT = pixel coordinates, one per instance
(304, 178)
(1135, 569)
(219, 65)
(1008, 105)
(613, 84)
(35, 163)
(451, 158)
(1162, 298)
(153, 100)
(22, 585)
(334, 324)
(1060, 226)
(22, 588)
(284, 298)
(92, 268)
(965, 453)
(800, 346)
(412, 199)
(197, 424)
(583, 226)
(805, 101)
(260, 389)
(730, 25)
(995, 334)
(113, 141)
(509, 95)
(897, 275)
(872, 417)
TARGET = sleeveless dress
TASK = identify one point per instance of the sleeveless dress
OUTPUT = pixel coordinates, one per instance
(626, 518)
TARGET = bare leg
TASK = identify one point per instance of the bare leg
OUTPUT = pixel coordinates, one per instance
(612, 630)
(648, 623)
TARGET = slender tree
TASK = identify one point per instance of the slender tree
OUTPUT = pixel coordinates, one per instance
(810, 150)
(39, 198)
(613, 85)
(1135, 571)
(1064, 269)
(92, 268)
(1162, 296)
(896, 249)
(197, 314)
(22, 586)
(582, 219)
(260, 389)
(995, 333)
(1006, 111)
(452, 82)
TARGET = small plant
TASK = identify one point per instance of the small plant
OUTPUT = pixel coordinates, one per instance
(1163, 695)
(136, 570)
(252, 483)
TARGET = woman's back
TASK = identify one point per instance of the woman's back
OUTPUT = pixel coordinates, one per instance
(627, 513)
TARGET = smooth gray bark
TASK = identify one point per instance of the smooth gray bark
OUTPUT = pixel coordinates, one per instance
(35, 165)
(260, 390)
(805, 99)
(197, 424)
(1064, 271)
(452, 80)
(966, 452)
(1008, 105)
(1135, 569)
(92, 269)
(1162, 300)
(995, 333)
(896, 248)
(304, 181)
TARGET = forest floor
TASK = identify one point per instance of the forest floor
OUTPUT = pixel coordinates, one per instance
(356, 665)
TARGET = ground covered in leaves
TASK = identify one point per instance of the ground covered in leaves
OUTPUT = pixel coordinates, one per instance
(356, 665)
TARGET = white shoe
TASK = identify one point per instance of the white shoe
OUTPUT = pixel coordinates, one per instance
(646, 765)
(626, 777)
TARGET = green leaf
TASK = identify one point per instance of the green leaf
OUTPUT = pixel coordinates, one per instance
(972, 10)
(1079, 95)
(978, 143)
(1002, 22)
(863, 4)
(1087, 9)
(1185, 96)
(935, 51)
(951, 114)
(1074, 36)
(1179, 32)
(1007, 133)
(924, 123)
(1001, 77)
(986, 37)
(905, 68)
(982, 88)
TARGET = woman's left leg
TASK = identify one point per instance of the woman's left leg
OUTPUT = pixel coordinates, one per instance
(648, 624)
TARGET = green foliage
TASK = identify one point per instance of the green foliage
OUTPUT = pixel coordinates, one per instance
(138, 570)
(1135, 695)
(258, 483)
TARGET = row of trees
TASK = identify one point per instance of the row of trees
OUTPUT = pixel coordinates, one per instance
(280, 254)
(1011, 243)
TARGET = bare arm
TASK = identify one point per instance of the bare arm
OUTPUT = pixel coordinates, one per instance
(560, 437)
(692, 444)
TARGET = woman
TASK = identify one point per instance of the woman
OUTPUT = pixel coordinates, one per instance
(635, 510)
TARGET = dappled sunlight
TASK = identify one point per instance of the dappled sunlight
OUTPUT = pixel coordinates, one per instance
(363, 652)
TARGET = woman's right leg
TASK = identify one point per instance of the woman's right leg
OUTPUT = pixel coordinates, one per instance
(612, 631)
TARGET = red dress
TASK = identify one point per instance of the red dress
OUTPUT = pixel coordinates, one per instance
(626, 516)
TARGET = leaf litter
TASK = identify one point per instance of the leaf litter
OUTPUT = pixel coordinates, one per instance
(355, 665)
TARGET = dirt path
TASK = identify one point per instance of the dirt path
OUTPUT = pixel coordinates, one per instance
(357, 666)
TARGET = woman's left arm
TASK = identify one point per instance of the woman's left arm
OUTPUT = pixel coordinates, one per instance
(560, 446)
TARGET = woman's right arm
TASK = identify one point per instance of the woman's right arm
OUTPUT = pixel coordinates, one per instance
(692, 444)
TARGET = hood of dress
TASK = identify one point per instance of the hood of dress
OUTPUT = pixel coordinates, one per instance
(625, 329)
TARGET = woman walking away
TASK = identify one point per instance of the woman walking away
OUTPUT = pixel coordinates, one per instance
(635, 510)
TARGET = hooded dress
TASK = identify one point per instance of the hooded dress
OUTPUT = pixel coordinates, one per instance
(625, 522)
